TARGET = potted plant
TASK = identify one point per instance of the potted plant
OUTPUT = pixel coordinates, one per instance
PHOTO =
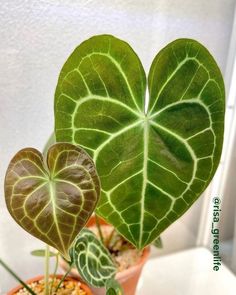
(128, 260)
(154, 157)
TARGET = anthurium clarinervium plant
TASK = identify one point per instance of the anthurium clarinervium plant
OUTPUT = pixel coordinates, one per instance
(52, 198)
(155, 154)
(153, 163)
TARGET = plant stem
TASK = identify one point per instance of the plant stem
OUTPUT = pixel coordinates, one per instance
(16, 277)
(110, 237)
(65, 275)
(99, 228)
(55, 272)
(46, 275)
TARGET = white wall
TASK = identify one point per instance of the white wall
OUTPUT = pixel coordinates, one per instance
(37, 36)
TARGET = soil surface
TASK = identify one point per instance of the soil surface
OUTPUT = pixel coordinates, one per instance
(124, 254)
(67, 288)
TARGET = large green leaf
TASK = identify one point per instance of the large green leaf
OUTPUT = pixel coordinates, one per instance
(53, 200)
(92, 259)
(153, 165)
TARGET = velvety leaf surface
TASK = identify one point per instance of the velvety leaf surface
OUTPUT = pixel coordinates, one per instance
(92, 259)
(153, 165)
(53, 200)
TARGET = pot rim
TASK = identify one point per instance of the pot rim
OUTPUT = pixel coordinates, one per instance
(59, 276)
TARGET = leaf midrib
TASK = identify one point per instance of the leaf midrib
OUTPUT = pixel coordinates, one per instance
(51, 185)
(145, 176)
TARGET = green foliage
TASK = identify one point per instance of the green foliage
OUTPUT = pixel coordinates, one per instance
(113, 288)
(52, 200)
(93, 261)
(158, 243)
(153, 164)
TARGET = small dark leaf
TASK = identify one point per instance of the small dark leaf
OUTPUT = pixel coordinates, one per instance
(52, 198)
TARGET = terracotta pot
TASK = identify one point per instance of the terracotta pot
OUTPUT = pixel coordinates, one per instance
(128, 278)
(38, 278)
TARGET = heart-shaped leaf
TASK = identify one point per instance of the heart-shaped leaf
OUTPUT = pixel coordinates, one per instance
(52, 201)
(153, 165)
(93, 261)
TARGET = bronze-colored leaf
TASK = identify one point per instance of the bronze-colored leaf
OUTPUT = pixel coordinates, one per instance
(53, 200)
